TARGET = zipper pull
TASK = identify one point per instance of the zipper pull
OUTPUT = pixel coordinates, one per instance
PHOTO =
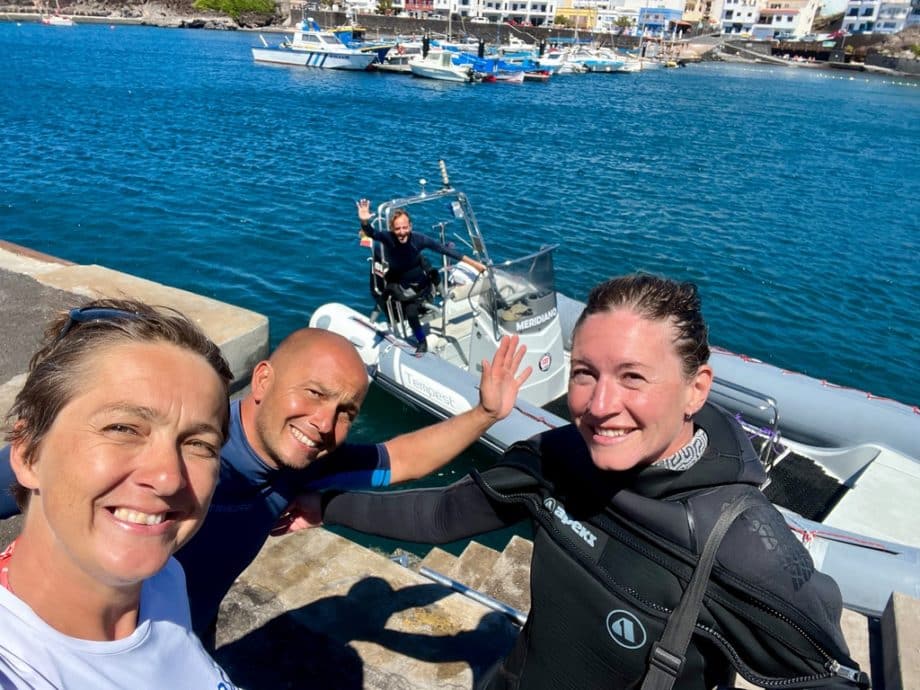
(844, 671)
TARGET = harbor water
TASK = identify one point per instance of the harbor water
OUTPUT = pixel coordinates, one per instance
(792, 197)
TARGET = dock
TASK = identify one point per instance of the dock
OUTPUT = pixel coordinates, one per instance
(315, 609)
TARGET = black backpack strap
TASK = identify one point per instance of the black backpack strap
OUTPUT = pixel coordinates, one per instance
(667, 656)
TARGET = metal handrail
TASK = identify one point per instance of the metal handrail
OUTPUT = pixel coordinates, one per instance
(766, 404)
(518, 616)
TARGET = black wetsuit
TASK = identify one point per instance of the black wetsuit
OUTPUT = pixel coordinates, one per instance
(408, 270)
(613, 552)
(405, 258)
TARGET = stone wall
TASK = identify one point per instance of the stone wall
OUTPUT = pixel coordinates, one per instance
(903, 65)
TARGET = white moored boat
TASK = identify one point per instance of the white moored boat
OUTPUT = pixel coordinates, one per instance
(439, 64)
(310, 46)
(843, 466)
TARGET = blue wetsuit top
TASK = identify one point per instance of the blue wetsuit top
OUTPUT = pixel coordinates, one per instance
(249, 498)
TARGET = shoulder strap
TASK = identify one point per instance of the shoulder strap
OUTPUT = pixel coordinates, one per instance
(668, 653)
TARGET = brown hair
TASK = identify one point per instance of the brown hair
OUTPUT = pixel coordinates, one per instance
(398, 213)
(657, 299)
(73, 337)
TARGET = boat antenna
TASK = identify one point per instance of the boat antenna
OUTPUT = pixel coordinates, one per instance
(444, 178)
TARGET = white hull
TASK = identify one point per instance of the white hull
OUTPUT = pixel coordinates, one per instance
(630, 66)
(440, 66)
(439, 74)
(306, 58)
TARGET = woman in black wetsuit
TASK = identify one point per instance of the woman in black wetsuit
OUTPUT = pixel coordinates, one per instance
(404, 256)
(623, 502)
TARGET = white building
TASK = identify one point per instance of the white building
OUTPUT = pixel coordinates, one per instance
(876, 16)
(786, 18)
(533, 12)
(766, 19)
(739, 16)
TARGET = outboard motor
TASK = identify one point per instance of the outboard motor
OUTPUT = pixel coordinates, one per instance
(481, 52)
(542, 48)
(426, 44)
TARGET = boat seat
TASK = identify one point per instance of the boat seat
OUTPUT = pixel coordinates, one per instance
(390, 297)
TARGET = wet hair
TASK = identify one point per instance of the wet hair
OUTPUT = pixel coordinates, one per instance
(75, 336)
(657, 299)
(398, 213)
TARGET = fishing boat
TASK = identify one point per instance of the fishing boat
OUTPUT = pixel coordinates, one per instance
(506, 76)
(398, 57)
(440, 65)
(355, 36)
(311, 46)
(537, 75)
(843, 466)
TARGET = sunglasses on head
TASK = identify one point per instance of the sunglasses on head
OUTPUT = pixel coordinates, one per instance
(87, 314)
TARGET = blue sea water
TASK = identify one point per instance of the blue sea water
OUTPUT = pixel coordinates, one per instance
(791, 197)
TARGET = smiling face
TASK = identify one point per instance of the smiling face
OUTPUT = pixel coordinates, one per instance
(401, 226)
(628, 395)
(305, 398)
(126, 471)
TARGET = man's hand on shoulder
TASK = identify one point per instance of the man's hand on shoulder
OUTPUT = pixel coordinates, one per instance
(500, 382)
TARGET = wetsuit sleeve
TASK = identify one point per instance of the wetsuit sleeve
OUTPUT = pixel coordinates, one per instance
(351, 466)
(8, 506)
(371, 231)
(425, 242)
(429, 516)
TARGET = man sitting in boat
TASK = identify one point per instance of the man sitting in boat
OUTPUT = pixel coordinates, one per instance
(407, 278)
(288, 435)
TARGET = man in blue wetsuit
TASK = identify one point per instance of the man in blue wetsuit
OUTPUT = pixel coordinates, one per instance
(288, 435)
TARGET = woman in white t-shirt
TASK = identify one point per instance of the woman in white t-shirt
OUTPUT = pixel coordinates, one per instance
(115, 441)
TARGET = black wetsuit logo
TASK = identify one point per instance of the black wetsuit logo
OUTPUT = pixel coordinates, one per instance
(554, 507)
(625, 629)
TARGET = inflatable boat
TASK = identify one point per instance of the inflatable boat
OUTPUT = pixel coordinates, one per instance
(843, 465)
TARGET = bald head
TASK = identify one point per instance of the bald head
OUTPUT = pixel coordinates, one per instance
(304, 398)
(306, 341)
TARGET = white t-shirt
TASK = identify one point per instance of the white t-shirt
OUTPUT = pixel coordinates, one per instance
(161, 653)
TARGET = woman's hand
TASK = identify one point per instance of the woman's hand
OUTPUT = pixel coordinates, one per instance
(364, 211)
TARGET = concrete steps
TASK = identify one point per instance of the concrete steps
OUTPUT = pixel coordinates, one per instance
(316, 608)
(887, 648)
(504, 575)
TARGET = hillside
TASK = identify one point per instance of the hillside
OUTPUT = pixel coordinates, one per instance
(211, 14)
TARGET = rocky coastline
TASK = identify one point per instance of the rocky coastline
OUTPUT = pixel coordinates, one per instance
(180, 14)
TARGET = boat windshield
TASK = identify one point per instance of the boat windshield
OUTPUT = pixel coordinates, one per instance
(523, 298)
